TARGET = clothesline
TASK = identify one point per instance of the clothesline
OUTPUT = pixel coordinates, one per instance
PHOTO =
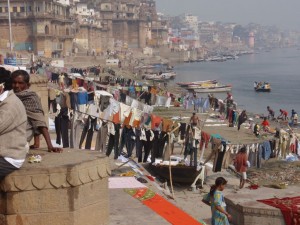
(108, 120)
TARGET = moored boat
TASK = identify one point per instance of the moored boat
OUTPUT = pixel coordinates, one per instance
(201, 86)
(160, 77)
(186, 84)
(207, 86)
(223, 88)
(180, 173)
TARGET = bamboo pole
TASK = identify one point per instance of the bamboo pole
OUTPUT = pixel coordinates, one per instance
(203, 147)
(170, 168)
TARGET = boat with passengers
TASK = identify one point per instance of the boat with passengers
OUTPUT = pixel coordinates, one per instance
(262, 86)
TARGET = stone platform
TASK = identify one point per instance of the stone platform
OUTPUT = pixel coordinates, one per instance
(246, 210)
(69, 188)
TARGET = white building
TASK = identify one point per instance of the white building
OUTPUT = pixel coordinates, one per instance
(192, 22)
(63, 2)
(82, 9)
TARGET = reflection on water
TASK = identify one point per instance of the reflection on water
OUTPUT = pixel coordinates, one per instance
(281, 68)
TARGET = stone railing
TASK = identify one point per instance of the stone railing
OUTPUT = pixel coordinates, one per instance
(246, 210)
(69, 188)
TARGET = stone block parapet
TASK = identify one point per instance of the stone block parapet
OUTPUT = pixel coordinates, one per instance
(246, 210)
(69, 188)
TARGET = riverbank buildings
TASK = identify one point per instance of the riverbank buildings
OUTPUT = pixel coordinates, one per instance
(58, 28)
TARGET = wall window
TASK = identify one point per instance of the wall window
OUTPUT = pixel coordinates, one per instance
(22, 9)
(1, 10)
(67, 31)
(46, 29)
(15, 9)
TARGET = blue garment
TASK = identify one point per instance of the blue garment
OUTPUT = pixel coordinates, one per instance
(217, 218)
(206, 105)
(74, 100)
(197, 103)
(265, 150)
(234, 117)
(218, 136)
(131, 89)
(82, 98)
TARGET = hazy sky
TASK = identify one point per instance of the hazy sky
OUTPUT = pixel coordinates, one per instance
(283, 13)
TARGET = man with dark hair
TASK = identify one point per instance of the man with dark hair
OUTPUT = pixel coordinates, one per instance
(283, 114)
(241, 165)
(35, 115)
(6, 78)
(294, 117)
(242, 119)
(195, 121)
(271, 115)
(265, 124)
(13, 144)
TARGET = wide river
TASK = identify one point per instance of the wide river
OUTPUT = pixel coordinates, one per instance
(281, 68)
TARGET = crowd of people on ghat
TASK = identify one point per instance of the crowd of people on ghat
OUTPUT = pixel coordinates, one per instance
(283, 115)
(22, 119)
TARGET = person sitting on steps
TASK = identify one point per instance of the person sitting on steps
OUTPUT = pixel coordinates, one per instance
(36, 124)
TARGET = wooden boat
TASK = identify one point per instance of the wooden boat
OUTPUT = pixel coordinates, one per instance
(186, 84)
(160, 77)
(201, 86)
(180, 173)
(263, 87)
(222, 88)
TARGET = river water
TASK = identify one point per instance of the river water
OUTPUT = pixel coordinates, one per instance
(280, 67)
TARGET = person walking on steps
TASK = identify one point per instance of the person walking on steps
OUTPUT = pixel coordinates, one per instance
(215, 199)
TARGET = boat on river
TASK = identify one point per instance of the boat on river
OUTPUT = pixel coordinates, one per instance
(209, 88)
(213, 89)
(160, 77)
(196, 83)
(262, 87)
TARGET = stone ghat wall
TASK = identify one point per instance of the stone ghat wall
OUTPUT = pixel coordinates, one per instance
(246, 210)
(250, 215)
(70, 188)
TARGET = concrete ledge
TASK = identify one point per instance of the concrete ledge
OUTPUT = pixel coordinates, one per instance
(69, 188)
(246, 210)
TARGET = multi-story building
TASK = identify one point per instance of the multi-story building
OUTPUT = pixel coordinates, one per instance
(126, 21)
(192, 22)
(39, 25)
(207, 32)
(50, 27)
